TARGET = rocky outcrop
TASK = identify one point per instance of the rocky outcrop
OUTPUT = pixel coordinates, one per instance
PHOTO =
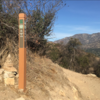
(1, 73)
(21, 98)
(9, 81)
(8, 73)
(8, 65)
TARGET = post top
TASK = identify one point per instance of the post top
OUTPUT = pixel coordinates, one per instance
(22, 15)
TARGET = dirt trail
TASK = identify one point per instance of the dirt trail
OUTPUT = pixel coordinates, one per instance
(49, 81)
(87, 85)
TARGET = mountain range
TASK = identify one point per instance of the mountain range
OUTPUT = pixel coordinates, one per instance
(87, 40)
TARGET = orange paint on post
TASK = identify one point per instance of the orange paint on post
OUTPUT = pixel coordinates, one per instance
(22, 51)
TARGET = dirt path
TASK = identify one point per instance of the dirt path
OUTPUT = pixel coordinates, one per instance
(77, 87)
(87, 85)
(49, 81)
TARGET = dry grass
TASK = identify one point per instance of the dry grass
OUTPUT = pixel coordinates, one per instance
(43, 75)
(48, 81)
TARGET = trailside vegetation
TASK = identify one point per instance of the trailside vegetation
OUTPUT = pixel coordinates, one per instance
(72, 57)
(41, 15)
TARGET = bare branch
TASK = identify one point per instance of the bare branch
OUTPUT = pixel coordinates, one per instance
(9, 26)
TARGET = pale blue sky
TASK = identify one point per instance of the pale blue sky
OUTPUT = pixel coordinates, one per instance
(80, 16)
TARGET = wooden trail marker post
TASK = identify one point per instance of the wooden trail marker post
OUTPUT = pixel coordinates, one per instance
(22, 51)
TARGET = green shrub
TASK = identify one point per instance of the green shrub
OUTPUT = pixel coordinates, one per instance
(97, 70)
(54, 54)
(82, 61)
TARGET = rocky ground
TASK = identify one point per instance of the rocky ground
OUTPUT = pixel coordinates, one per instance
(49, 81)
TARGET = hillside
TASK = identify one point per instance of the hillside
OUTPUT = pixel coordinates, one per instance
(49, 81)
(87, 40)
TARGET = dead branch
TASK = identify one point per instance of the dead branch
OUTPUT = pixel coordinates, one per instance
(9, 26)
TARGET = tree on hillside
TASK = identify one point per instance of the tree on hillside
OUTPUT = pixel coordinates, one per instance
(72, 46)
(40, 17)
(74, 43)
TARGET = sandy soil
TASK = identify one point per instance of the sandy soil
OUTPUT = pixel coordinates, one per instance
(49, 81)
(87, 85)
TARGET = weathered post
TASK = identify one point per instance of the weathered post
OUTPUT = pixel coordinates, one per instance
(22, 51)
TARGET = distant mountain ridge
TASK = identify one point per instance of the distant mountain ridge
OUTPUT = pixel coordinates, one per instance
(87, 40)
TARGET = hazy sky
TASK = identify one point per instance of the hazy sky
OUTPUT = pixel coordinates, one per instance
(78, 16)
